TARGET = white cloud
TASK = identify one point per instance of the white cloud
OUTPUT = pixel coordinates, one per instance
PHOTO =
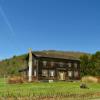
(6, 20)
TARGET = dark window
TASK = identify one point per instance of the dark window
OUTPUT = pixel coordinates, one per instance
(69, 64)
(75, 65)
(44, 63)
(61, 64)
(52, 63)
(34, 72)
(35, 61)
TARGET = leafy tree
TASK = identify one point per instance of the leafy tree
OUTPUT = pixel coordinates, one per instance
(84, 65)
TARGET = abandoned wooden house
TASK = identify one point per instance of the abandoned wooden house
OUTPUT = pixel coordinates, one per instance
(44, 66)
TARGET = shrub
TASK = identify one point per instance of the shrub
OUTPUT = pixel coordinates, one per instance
(15, 79)
(90, 79)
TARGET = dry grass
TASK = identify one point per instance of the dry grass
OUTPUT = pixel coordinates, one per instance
(91, 79)
(15, 79)
(54, 97)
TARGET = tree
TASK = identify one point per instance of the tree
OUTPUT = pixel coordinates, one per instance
(84, 65)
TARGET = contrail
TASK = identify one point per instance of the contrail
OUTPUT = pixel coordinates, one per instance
(6, 20)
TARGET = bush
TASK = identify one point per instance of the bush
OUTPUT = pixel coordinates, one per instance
(15, 79)
(90, 79)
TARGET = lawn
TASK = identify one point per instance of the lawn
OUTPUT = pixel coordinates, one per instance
(48, 91)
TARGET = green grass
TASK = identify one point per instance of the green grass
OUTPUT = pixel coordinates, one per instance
(47, 90)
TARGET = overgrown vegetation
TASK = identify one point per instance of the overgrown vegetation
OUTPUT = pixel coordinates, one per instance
(12, 65)
(90, 65)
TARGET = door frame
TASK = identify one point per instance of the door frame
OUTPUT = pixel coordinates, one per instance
(61, 70)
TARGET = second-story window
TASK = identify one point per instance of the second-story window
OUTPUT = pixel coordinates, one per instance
(61, 64)
(75, 65)
(44, 63)
(35, 61)
(69, 64)
(52, 64)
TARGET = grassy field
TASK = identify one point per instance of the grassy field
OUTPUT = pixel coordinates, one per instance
(48, 91)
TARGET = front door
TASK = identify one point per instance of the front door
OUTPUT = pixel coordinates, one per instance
(61, 75)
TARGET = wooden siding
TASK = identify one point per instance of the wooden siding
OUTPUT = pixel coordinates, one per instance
(57, 67)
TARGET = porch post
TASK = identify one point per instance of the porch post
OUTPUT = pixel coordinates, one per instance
(37, 69)
(30, 66)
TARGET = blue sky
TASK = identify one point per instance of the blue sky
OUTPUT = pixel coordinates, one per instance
(69, 25)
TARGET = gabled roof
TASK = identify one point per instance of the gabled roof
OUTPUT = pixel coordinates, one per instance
(53, 55)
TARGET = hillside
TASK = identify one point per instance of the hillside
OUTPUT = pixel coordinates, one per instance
(12, 65)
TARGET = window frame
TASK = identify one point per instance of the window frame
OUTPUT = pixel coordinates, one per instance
(69, 64)
(35, 72)
(70, 75)
(44, 72)
(44, 63)
(75, 74)
(53, 74)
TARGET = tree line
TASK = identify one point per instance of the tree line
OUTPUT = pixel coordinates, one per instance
(90, 65)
